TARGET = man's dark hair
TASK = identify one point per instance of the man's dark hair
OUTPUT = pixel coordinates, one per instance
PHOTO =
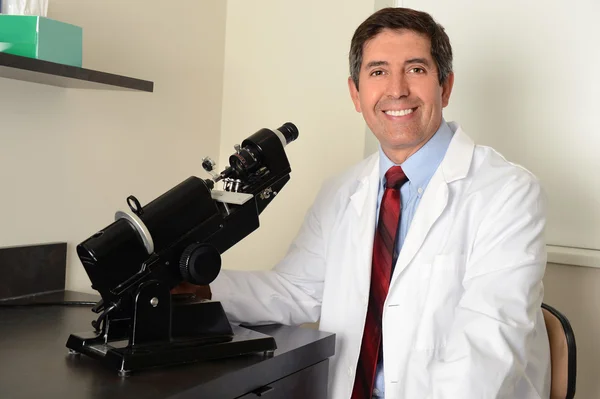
(399, 19)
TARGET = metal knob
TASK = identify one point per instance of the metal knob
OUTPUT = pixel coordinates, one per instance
(208, 164)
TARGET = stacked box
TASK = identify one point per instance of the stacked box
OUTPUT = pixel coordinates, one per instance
(41, 38)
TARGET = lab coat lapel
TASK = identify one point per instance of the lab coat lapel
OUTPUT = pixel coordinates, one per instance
(432, 205)
(363, 203)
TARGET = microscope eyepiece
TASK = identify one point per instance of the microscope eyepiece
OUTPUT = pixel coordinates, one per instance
(289, 131)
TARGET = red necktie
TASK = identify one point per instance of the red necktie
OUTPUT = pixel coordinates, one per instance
(383, 254)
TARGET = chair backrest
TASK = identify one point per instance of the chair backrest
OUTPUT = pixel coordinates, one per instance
(563, 353)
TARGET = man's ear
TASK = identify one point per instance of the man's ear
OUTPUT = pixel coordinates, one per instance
(447, 89)
(354, 94)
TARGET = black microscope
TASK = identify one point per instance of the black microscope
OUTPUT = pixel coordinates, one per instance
(135, 262)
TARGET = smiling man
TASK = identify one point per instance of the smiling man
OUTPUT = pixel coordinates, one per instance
(401, 94)
(426, 259)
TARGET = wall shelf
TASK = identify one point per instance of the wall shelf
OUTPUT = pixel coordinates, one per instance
(50, 73)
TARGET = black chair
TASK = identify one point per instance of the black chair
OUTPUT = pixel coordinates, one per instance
(563, 353)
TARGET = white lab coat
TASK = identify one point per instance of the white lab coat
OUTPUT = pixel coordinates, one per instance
(462, 319)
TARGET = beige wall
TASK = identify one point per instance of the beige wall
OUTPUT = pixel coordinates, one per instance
(69, 158)
(574, 291)
(288, 61)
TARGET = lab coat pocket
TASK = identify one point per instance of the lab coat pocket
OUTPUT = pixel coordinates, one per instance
(441, 282)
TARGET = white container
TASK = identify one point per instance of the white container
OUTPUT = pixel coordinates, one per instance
(25, 7)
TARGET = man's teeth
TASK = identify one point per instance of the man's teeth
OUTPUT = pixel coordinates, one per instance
(400, 113)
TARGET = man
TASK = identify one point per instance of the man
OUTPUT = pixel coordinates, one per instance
(427, 258)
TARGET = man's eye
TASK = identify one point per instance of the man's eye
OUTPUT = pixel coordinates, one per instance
(376, 73)
(416, 70)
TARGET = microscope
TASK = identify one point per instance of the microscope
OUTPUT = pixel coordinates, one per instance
(136, 260)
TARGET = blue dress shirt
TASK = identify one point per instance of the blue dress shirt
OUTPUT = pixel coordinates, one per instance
(419, 168)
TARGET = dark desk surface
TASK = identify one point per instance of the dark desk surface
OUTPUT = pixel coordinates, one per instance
(34, 361)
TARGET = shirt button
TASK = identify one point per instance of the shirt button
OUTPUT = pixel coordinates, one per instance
(420, 190)
(350, 371)
(365, 300)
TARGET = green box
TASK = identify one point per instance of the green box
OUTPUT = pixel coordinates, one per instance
(41, 38)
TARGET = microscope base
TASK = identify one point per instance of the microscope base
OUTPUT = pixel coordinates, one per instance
(118, 356)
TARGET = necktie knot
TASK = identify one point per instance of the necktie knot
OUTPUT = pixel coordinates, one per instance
(395, 177)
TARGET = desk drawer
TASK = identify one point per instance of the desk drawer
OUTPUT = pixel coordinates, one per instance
(308, 383)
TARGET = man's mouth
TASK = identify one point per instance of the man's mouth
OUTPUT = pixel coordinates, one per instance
(400, 112)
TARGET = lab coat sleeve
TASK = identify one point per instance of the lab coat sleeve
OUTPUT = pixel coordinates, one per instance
(292, 291)
(486, 352)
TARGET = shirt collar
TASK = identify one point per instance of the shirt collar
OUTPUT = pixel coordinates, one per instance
(421, 166)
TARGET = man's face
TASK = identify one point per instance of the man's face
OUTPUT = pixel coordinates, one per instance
(399, 93)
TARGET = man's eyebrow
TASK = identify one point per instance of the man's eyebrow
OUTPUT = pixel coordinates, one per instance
(374, 64)
(417, 61)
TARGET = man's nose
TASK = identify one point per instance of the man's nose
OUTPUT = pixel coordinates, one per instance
(398, 87)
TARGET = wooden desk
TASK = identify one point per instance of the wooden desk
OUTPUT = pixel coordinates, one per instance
(34, 363)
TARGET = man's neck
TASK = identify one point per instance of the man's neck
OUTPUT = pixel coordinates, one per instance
(399, 155)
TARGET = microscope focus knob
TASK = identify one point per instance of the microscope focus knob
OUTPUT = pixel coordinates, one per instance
(200, 264)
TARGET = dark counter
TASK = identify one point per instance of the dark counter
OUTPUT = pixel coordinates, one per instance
(34, 362)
